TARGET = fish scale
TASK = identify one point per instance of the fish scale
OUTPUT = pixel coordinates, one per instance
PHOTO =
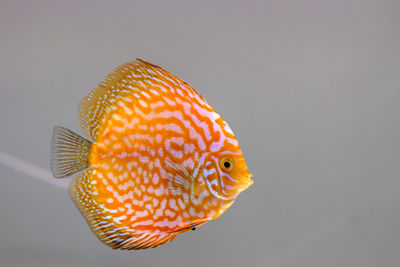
(162, 161)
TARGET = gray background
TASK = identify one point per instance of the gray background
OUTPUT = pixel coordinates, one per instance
(311, 89)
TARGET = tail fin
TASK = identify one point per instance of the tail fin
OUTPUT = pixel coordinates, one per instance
(69, 152)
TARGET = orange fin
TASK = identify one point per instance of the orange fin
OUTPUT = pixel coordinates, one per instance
(102, 224)
(179, 178)
(135, 76)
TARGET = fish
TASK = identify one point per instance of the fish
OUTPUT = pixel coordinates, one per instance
(156, 159)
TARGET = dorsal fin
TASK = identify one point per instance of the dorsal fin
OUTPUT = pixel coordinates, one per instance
(136, 76)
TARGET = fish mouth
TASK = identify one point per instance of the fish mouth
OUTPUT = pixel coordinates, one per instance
(249, 180)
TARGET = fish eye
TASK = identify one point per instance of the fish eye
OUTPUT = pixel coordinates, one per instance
(226, 164)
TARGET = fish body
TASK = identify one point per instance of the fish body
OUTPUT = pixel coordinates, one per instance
(161, 162)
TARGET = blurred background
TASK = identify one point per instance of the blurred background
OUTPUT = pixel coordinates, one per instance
(310, 88)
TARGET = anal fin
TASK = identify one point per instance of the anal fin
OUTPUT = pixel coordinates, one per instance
(101, 222)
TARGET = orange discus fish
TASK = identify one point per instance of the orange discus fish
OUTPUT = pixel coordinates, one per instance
(161, 160)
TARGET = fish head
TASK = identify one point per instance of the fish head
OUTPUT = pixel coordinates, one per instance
(226, 172)
(227, 176)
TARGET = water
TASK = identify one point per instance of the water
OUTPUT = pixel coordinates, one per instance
(310, 88)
